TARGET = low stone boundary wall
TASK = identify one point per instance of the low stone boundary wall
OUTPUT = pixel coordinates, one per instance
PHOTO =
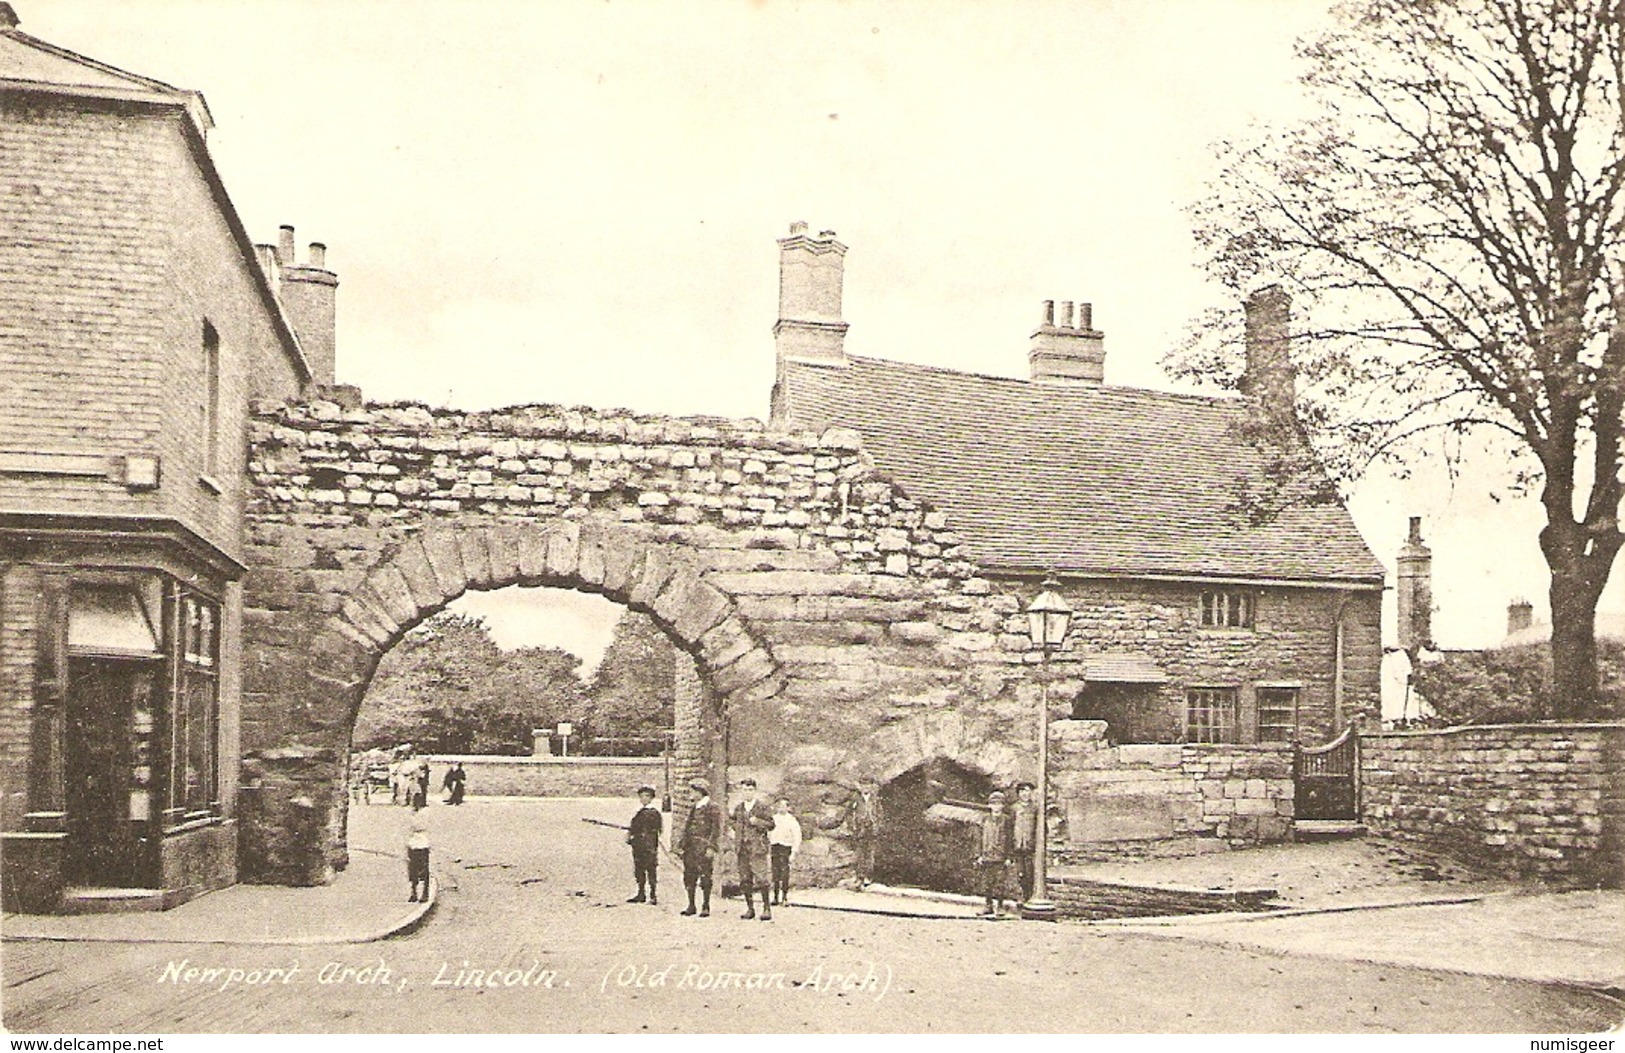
(1083, 898)
(1528, 800)
(552, 776)
(1119, 799)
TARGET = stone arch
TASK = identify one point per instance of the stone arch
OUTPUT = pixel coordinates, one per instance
(895, 748)
(293, 812)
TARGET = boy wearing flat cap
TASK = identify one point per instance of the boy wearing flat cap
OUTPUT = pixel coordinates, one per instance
(702, 833)
(643, 834)
(753, 820)
(993, 861)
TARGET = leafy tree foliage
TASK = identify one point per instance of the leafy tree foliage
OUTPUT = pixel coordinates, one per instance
(1511, 685)
(632, 692)
(1452, 221)
(448, 688)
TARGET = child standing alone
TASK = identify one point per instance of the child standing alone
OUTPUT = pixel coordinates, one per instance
(417, 849)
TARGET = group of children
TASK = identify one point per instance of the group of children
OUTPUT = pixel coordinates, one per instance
(766, 842)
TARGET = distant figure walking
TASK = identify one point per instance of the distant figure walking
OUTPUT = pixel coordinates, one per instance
(784, 840)
(702, 834)
(752, 820)
(455, 783)
(993, 861)
(417, 850)
(643, 834)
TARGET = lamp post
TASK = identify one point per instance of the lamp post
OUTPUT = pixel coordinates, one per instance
(1048, 619)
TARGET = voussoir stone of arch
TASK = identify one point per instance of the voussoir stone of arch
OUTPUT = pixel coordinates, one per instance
(475, 556)
(532, 555)
(502, 546)
(413, 563)
(563, 549)
(446, 560)
(372, 624)
(393, 593)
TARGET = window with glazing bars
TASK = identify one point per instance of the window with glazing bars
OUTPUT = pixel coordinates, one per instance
(1227, 609)
(1210, 714)
(1277, 714)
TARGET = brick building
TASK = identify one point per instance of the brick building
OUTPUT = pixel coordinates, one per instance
(1194, 622)
(137, 320)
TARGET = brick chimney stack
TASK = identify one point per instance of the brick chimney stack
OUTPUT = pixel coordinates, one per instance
(810, 328)
(1520, 616)
(1270, 376)
(309, 293)
(1415, 592)
(1068, 353)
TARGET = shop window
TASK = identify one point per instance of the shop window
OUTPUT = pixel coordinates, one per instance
(1227, 609)
(196, 758)
(1277, 714)
(1210, 714)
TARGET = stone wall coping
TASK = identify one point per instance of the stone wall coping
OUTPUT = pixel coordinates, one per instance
(562, 762)
(1551, 727)
(1238, 747)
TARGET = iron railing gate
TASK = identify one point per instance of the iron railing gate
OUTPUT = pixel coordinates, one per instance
(1327, 779)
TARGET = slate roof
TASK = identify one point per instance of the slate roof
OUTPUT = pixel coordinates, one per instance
(1082, 479)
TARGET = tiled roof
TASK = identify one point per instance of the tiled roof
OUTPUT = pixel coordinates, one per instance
(1081, 479)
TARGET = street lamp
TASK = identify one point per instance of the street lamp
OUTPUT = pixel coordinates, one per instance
(1048, 619)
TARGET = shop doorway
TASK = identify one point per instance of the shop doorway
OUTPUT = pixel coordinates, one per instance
(108, 772)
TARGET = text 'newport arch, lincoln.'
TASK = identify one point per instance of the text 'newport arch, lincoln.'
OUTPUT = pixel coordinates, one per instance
(834, 621)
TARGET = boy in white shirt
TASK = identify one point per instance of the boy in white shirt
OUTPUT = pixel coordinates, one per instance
(783, 841)
(417, 850)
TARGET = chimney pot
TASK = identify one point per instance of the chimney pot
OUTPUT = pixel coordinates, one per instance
(1415, 592)
(811, 271)
(1066, 354)
(318, 255)
(1269, 376)
(284, 245)
(1520, 616)
(1086, 316)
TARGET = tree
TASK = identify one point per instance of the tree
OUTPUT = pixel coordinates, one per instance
(448, 688)
(1452, 220)
(633, 690)
(1511, 685)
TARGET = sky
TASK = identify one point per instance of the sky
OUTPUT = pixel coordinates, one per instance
(577, 202)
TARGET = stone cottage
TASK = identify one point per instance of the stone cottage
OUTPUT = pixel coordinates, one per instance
(1205, 642)
(136, 322)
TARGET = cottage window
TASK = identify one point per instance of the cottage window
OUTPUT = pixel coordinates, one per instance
(1277, 714)
(1228, 609)
(1210, 714)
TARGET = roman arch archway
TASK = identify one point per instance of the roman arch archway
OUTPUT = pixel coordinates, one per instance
(821, 605)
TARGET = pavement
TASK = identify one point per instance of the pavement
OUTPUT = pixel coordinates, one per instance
(1360, 900)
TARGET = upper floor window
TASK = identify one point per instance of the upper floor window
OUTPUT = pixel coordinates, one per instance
(1228, 609)
(211, 400)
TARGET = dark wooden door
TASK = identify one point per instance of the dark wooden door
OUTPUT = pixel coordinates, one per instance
(105, 844)
(1327, 779)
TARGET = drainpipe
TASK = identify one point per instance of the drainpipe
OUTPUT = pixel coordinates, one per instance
(1337, 667)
